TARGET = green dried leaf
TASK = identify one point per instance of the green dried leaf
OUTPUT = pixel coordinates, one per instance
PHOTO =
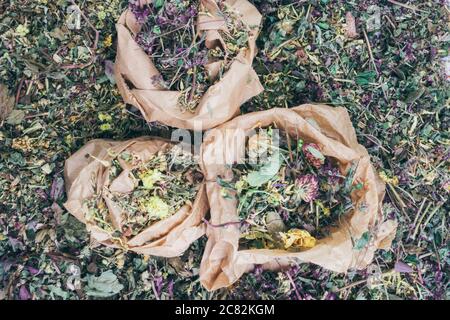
(267, 172)
(158, 3)
(57, 291)
(103, 286)
(364, 78)
(316, 153)
(15, 117)
(362, 242)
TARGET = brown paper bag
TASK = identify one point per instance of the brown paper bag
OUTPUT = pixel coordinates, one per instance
(223, 263)
(134, 71)
(86, 173)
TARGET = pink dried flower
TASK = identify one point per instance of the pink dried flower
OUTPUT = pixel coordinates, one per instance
(306, 188)
(313, 154)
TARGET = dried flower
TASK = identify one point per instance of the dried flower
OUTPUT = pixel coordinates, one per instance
(298, 239)
(108, 41)
(313, 154)
(259, 145)
(306, 188)
(332, 173)
(156, 208)
(391, 180)
(150, 177)
(140, 12)
(22, 30)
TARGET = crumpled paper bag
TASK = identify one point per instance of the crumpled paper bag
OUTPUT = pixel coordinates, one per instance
(223, 263)
(86, 173)
(134, 71)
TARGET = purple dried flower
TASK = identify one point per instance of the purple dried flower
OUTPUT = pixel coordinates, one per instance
(258, 271)
(170, 289)
(330, 296)
(33, 271)
(57, 188)
(200, 59)
(159, 283)
(24, 294)
(146, 41)
(306, 187)
(284, 214)
(332, 173)
(402, 267)
(41, 193)
(279, 185)
(141, 13)
(161, 21)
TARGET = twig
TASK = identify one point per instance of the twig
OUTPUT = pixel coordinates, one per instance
(354, 284)
(299, 297)
(416, 230)
(18, 91)
(397, 196)
(407, 6)
(431, 216)
(374, 140)
(419, 211)
(94, 47)
(289, 146)
(370, 51)
(194, 85)
(37, 115)
(154, 290)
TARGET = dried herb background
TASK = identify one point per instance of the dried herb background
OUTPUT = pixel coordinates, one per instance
(389, 75)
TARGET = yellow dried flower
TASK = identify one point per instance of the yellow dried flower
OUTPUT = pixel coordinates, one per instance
(22, 144)
(149, 178)
(107, 42)
(22, 30)
(240, 184)
(105, 127)
(325, 210)
(393, 181)
(156, 208)
(299, 239)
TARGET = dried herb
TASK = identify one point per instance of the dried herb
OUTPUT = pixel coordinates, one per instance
(289, 193)
(170, 37)
(162, 185)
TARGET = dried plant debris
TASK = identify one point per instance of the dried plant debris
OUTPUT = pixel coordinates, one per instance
(6, 103)
(171, 38)
(288, 192)
(163, 184)
(400, 115)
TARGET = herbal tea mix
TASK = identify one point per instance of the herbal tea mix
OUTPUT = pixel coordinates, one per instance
(180, 51)
(139, 192)
(290, 185)
(188, 64)
(288, 192)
